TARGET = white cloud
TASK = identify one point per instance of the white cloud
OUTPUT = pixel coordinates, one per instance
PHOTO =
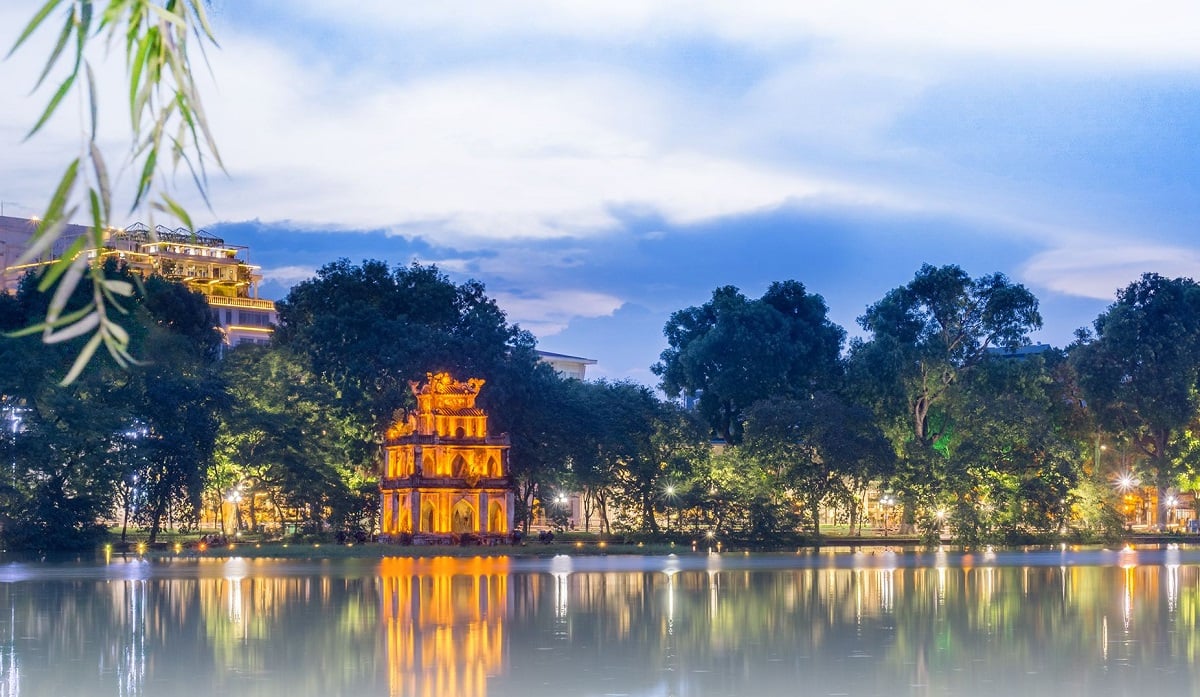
(546, 314)
(288, 275)
(489, 154)
(1102, 30)
(1098, 268)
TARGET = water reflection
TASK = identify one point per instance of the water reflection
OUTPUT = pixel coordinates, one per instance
(944, 624)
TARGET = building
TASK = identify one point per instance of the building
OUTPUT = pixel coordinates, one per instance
(444, 477)
(204, 263)
(566, 366)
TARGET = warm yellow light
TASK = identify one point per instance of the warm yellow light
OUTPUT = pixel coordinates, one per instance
(178, 548)
(202, 547)
(231, 545)
(141, 548)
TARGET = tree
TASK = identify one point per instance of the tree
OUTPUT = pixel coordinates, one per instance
(371, 329)
(167, 123)
(650, 444)
(178, 394)
(1014, 459)
(732, 351)
(79, 445)
(816, 449)
(924, 337)
(284, 439)
(1140, 372)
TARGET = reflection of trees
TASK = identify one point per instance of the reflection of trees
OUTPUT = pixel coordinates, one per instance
(978, 629)
(478, 627)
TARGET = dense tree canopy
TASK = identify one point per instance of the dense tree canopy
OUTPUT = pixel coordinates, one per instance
(144, 434)
(1141, 371)
(369, 329)
(732, 351)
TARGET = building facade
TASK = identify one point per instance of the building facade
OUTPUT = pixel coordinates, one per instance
(204, 263)
(445, 478)
(567, 366)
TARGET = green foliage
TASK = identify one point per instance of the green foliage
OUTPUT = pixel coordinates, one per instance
(81, 448)
(815, 450)
(733, 351)
(1141, 372)
(926, 337)
(167, 123)
(284, 440)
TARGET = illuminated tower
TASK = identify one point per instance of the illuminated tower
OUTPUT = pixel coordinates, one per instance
(444, 477)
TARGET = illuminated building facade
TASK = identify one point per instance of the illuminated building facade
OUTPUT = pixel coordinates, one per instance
(443, 476)
(202, 262)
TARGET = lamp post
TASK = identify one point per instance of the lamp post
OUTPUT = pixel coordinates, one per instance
(670, 492)
(1126, 483)
(886, 501)
(562, 502)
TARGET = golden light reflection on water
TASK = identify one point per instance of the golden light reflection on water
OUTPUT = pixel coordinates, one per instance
(476, 627)
(444, 624)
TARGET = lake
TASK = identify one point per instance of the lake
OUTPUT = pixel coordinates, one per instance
(1059, 622)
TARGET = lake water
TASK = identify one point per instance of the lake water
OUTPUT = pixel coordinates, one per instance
(1061, 623)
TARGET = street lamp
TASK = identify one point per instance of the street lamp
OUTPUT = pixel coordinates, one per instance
(887, 501)
(670, 492)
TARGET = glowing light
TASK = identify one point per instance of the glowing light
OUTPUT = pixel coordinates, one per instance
(202, 547)
(178, 548)
(141, 548)
(1126, 482)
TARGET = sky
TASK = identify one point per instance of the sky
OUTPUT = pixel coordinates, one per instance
(600, 165)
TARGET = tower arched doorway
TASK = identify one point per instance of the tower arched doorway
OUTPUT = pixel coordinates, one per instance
(497, 521)
(462, 519)
(428, 515)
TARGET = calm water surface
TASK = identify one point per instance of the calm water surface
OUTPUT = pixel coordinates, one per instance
(1016, 623)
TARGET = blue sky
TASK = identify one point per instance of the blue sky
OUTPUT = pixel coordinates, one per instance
(600, 165)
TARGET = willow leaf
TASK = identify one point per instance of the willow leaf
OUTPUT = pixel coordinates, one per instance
(102, 180)
(34, 24)
(58, 96)
(56, 53)
(71, 331)
(81, 361)
(66, 286)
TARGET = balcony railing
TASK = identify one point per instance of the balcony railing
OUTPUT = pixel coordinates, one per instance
(253, 303)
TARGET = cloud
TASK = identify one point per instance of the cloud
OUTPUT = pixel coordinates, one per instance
(1096, 269)
(548, 313)
(288, 275)
(1104, 30)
